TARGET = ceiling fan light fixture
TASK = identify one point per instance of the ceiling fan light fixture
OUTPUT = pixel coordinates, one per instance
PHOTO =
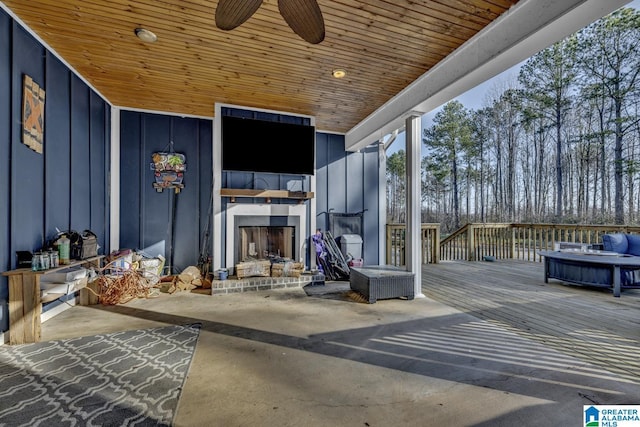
(146, 35)
(338, 73)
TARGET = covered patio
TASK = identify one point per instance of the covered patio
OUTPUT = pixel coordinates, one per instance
(491, 344)
(402, 61)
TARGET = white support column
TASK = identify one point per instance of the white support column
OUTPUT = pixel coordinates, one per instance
(382, 204)
(218, 246)
(414, 201)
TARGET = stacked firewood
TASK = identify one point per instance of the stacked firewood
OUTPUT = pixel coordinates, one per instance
(257, 268)
(188, 280)
(287, 269)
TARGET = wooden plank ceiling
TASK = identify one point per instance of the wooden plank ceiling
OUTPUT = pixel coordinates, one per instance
(383, 46)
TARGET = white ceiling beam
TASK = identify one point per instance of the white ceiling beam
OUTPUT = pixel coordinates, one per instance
(522, 31)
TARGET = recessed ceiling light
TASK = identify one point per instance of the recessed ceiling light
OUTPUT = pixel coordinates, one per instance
(146, 35)
(338, 73)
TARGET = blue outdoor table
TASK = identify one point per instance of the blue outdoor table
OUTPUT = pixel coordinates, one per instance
(594, 268)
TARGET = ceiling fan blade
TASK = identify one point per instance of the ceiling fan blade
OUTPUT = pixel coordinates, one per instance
(232, 13)
(304, 17)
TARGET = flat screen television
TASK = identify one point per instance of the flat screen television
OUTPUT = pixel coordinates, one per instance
(251, 145)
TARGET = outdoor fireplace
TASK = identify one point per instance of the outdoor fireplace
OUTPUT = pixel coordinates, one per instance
(261, 231)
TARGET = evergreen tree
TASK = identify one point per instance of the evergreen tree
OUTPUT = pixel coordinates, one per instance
(449, 139)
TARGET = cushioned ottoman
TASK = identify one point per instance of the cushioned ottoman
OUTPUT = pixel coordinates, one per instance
(376, 282)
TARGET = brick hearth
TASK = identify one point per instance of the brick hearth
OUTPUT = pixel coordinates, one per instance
(248, 284)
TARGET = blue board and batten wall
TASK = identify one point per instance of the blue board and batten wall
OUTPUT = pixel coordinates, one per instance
(65, 187)
(345, 182)
(349, 183)
(164, 222)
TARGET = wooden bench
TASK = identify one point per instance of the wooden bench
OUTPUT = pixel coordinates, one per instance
(25, 306)
(376, 282)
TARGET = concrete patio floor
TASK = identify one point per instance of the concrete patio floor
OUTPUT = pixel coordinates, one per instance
(285, 358)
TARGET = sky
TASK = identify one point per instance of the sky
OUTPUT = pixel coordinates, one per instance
(476, 98)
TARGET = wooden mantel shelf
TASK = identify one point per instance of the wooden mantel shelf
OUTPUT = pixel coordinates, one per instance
(267, 194)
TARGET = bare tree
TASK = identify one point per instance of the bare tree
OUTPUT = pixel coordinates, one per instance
(610, 60)
(396, 186)
(547, 78)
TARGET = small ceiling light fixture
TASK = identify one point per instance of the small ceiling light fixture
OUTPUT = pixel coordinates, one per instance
(338, 73)
(146, 35)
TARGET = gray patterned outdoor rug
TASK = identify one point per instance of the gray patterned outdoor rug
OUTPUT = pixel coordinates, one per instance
(119, 379)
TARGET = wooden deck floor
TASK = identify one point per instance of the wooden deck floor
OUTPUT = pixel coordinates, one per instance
(587, 323)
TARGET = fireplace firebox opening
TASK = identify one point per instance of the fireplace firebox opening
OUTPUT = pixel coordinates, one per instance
(260, 237)
(266, 242)
(265, 215)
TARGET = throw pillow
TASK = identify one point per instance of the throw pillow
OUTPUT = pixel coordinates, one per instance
(615, 242)
(634, 244)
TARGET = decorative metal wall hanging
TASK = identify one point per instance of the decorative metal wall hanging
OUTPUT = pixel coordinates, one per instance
(33, 115)
(169, 168)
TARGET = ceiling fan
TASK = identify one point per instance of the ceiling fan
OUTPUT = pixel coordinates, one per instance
(303, 16)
